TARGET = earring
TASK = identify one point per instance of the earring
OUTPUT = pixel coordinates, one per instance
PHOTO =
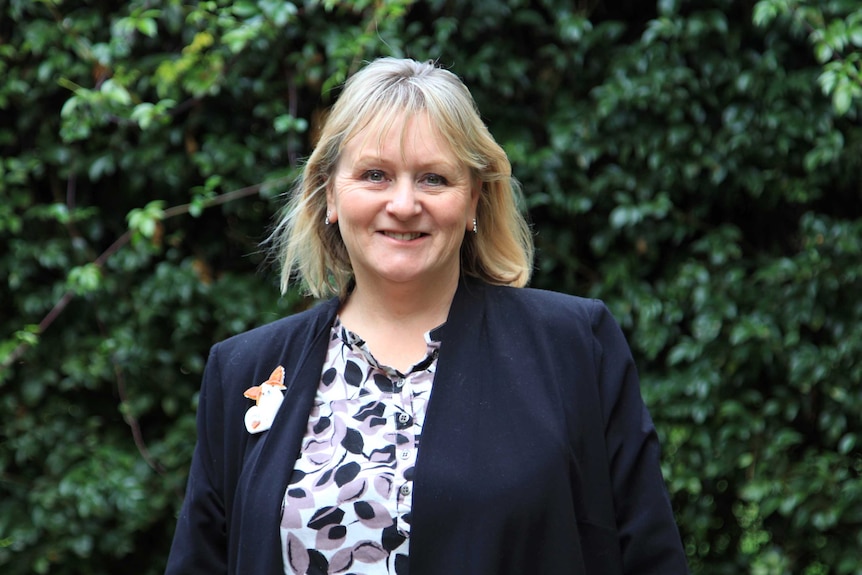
(475, 226)
(326, 219)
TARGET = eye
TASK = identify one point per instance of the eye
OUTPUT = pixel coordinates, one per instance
(374, 176)
(435, 180)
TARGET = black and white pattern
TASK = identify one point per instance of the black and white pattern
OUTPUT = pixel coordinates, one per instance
(347, 507)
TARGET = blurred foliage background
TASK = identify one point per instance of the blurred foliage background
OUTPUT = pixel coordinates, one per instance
(694, 163)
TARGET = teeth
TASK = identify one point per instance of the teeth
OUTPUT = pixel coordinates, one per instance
(396, 236)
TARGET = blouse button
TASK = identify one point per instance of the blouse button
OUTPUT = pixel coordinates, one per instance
(405, 454)
(399, 383)
(403, 417)
(405, 490)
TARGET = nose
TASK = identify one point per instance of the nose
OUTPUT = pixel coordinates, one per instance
(404, 202)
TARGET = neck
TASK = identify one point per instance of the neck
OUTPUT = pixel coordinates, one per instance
(392, 319)
(417, 306)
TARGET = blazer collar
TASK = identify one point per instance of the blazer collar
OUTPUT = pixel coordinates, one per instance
(255, 532)
(466, 308)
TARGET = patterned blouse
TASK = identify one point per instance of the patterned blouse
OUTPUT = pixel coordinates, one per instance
(347, 505)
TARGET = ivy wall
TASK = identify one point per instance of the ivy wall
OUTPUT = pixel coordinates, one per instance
(696, 164)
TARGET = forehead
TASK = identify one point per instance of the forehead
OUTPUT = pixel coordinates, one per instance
(399, 132)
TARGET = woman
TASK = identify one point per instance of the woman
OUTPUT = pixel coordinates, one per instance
(537, 454)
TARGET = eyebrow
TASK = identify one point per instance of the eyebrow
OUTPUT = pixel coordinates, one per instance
(433, 163)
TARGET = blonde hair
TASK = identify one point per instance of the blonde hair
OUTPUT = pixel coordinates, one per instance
(500, 253)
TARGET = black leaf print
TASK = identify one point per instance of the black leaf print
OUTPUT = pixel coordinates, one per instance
(408, 473)
(346, 473)
(374, 516)
(384, 455)
(373, 409)
(384, 383)
(353, 441)
(337, 532)
(407, 517)
(324, 516)
(400, 439)
(328, 376)
(297, 476)
(391, 538)
(363, 510)
(352, 373)
(318, 565)
(402, 564)
(324, 479)
(298, 493)
(321, 425)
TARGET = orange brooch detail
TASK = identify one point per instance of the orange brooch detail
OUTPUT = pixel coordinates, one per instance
(267, 399)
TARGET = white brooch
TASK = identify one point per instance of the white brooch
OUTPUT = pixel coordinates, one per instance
(268, 397)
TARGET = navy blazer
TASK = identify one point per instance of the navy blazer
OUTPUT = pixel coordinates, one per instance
(537, 456)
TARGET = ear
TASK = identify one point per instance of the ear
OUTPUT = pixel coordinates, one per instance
(330, 205)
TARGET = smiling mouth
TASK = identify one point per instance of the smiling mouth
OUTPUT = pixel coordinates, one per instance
(405, 236)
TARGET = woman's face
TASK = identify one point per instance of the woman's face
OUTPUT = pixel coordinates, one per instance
(403, 203)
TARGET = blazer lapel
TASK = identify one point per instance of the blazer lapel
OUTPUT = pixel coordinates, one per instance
(447, 420)
(262, 485)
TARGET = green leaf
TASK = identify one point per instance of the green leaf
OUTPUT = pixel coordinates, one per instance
(147, 27)
(842, 98)
(144, 220)
(765, 11)
(85, 279)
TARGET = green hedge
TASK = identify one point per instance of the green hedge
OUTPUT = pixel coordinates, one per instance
(695, 164)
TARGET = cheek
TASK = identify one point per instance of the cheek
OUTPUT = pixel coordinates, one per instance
(352, 212)
(356, 216)
(461, 214)
(342, 202)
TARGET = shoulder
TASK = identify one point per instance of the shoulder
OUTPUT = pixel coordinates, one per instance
(540, 305)
(549, 315)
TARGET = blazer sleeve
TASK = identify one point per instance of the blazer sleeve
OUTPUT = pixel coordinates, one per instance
(200, 541)
(649, 538)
